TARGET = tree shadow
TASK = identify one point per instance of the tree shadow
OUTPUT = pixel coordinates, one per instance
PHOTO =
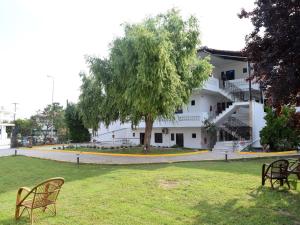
(24, 171)
(262, 206)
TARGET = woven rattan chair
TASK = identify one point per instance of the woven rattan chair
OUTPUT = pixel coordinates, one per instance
(277, 171)
(294, 167)
(42, 196)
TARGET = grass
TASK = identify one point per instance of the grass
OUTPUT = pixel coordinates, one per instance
(179, 193)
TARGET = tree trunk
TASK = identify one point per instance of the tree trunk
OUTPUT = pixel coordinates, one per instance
(148, 131)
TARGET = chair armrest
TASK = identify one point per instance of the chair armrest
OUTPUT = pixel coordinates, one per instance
(19, 194)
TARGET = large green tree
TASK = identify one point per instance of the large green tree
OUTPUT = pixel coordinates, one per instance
(77, 132)
(150, 72)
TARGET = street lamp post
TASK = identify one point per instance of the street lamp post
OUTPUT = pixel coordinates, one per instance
(52, 105)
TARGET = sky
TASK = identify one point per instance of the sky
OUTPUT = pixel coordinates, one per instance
(52, 37)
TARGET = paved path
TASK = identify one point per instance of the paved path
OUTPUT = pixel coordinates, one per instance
(109, 159)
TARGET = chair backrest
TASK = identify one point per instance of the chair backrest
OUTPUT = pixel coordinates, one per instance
(280, 167)
(47, 191)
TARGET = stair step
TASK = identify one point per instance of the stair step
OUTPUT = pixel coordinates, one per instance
(229, 146)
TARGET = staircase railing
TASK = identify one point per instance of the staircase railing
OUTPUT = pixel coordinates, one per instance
(238, 127)
(233, 89)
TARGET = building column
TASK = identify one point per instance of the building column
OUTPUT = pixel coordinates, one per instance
(218, 135)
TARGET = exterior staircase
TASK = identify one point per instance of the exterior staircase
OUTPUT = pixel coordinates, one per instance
(228, 119)
(230, 146)
(228, 111)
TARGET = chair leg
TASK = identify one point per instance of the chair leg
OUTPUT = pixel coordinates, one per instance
(281, 182)
(17, 213)
(271, 181)
(31, 216)
(288, 183)
(54, 209)
(263, 177)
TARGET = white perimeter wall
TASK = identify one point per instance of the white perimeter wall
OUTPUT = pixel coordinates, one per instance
(258, 122)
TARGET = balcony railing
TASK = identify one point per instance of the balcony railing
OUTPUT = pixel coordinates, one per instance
(182, 120)
(211, 84)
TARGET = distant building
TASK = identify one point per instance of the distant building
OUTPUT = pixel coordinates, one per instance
(5, 118)
(223, 101)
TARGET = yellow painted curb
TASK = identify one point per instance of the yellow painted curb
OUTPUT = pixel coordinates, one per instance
(118, 154)
(268, 153)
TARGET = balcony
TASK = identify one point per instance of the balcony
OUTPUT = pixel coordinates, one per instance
(181, 120)
(243, 85)
(212, 84)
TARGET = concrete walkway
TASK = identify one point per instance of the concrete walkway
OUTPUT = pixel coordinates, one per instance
(140, 159)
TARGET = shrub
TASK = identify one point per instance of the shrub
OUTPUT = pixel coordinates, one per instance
(280, 132)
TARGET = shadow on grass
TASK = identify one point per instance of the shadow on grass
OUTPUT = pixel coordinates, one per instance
(262, 206)
(23, 171)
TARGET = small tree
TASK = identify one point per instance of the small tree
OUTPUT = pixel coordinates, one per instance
(77, 132)
(51, 117)
(279, 132)
(150, 72)
(211, 130)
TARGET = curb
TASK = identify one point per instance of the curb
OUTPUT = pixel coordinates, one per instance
(118, 154)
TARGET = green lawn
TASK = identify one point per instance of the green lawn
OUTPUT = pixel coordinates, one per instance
(132, 150)
(179, 193)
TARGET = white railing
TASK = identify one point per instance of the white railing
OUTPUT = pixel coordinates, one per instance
(243, 84)
(200, 117)
(211, 84)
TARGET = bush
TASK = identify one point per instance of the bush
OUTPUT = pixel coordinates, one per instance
(280, 132)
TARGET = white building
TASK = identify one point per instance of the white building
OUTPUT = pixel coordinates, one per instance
(223, 101)
(5, 117)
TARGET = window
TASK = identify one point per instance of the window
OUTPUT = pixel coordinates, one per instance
(194, 135)
(245, 70)
(230, 74)
(193, 102)
(133, 134)
(158, 138)
(172, 137)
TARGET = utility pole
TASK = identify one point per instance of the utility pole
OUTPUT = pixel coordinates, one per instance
(52, 136)
(15, 110)
(13, 142)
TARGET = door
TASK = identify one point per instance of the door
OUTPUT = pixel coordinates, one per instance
(142, 138)
(179, 140)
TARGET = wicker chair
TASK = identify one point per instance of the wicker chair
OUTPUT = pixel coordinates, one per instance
(294, 167)
(42, 196)
(277, 171)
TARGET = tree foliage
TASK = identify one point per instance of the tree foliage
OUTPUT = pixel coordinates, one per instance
(274, 48)
(77, 132)
(24, 127)
(52, 116)
(150, 72)
(281, 131)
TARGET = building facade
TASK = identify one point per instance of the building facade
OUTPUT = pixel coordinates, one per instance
(225, 114)
(5, 117)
